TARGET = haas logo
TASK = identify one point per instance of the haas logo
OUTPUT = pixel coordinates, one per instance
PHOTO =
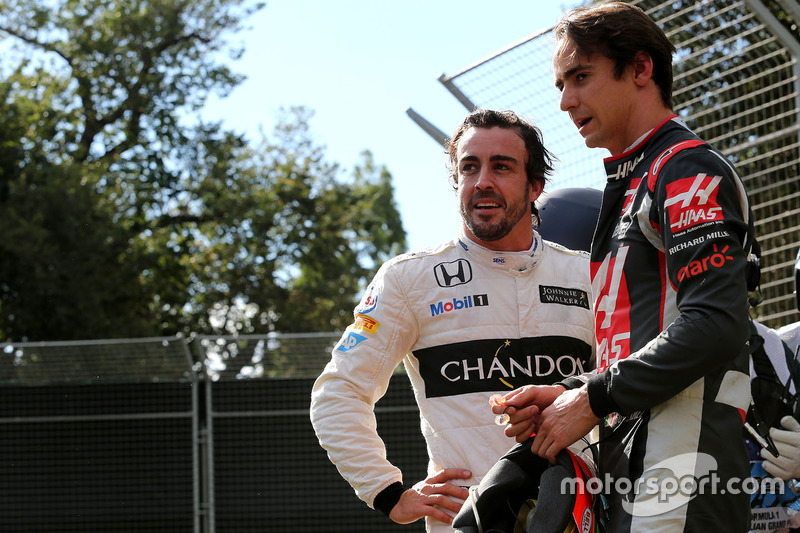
(693, 201)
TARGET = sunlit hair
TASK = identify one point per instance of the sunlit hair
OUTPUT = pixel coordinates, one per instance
(618, 31)
(539, 163)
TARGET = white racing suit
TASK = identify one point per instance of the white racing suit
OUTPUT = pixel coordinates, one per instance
(467, 322)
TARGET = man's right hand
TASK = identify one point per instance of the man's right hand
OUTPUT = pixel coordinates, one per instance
(431, 497)
(523, 406)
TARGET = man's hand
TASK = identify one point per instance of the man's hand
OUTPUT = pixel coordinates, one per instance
(522, 406)
(787, 440)
(431, 496)
(567, 420)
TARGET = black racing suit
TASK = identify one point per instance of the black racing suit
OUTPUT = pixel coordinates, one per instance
(669, 260)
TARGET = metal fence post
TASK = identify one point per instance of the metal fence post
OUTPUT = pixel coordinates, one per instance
(203, 441)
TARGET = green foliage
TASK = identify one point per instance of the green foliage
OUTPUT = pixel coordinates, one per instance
(119, 220)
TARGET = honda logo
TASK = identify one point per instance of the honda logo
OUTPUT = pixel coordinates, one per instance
(453, 273)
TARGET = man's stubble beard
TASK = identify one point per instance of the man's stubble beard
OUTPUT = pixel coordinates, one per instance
(489, 232)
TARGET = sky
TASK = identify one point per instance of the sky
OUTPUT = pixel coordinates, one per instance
(359, 64)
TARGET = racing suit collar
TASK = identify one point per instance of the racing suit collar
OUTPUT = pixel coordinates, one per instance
(519, 261)
(642, 141)
(622, 166)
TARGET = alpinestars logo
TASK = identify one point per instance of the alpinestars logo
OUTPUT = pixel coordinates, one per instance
(693, 201)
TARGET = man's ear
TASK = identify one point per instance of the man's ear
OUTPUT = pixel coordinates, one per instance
(535, 190)
(642, 68)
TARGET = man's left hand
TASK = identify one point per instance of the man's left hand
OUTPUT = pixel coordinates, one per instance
(787, 441)
(522, 407)
(565, 421)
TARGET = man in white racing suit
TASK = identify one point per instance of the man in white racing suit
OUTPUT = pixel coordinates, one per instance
(489, 311)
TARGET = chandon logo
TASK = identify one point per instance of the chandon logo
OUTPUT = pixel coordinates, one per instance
(715, 260)
(499, 364)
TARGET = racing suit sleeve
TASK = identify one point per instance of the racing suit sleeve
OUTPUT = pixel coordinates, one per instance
(706, 269)
(357, 376)
(576, 382)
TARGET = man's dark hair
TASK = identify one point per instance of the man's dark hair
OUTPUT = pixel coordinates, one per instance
(540, 161)
(619, 31)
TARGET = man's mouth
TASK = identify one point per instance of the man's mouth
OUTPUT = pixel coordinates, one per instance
(582, 122)
(486, 205)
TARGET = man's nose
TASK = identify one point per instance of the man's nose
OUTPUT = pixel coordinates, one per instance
(485, 179)
(568, 99)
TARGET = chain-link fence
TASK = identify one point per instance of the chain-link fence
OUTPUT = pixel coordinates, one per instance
(737, 84)
(172, 434)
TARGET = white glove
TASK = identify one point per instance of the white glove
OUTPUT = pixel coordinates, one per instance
(787, 441)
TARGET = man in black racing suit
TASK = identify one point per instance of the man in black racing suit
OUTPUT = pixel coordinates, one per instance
(669, 263)
(669, 268)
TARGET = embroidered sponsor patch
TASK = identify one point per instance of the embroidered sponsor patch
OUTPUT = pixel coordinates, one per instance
(457, 304)
(458, 272)
(500, 364)
(350, 341)
(700, 266)
(365, 323)
(368, 302)
(564, 296)
(693, 201)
